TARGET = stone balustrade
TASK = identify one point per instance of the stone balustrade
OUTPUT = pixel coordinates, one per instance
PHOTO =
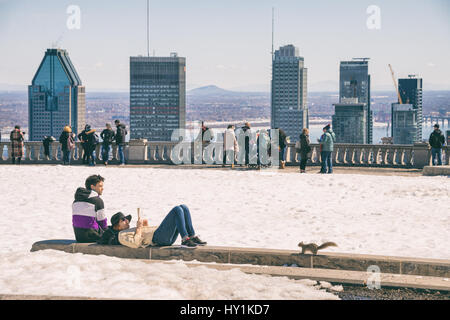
(145, 152)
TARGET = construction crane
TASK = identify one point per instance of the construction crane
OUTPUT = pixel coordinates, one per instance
(395, 84)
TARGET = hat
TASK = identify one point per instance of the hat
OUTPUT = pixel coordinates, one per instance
(87, 127)
(119, 216)
(436, 125)
(327, 127)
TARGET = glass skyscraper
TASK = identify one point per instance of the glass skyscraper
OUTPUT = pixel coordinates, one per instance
(404, 123)
(289, 109)
(157, 97)
(56, 97)
(354, 87)
(411, 93)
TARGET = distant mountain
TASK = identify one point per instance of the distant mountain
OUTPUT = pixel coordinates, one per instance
(209, 91)
(13, 87)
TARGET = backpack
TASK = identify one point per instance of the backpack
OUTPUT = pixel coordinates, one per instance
(70, 142)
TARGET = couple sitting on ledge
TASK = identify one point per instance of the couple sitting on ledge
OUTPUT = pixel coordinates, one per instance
(90, 222)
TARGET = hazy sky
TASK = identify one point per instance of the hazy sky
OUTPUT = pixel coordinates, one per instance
(228, 42)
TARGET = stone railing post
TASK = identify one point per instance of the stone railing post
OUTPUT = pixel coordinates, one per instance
(421, 154)
(137, 151)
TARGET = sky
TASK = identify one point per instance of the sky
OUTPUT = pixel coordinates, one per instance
(228, 43)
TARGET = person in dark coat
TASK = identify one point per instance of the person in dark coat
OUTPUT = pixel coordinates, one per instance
(46, 142)
(282, 147)
(17, 139)
(67, 140)
(91, 142)
(121, 133)
(436, 141)
(305, 148)
(246, 128)
(108, 137)
(82, 136)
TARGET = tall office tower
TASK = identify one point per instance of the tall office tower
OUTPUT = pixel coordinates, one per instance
(404, 123)
(350, 121)
(354, 83)
(56, 97)
(157, 97)
(289, 109)
(411, 93)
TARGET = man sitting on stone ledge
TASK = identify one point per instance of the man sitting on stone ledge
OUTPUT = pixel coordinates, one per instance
(177, 221)
(88, 211)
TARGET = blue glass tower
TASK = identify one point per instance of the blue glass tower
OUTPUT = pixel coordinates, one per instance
(56, 97)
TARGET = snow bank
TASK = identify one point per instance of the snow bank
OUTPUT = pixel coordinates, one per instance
(390, 215)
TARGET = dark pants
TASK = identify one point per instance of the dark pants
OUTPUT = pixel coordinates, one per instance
(436, 154)
(85, 153)
(91, 158)
(105, 152)
(14, 160)
(177, 221)
(46, 149)
(87, 235)
(303, 160)
(66, 156)
(326, 162)
(228, 156)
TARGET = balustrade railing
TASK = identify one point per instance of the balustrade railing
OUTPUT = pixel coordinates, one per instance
(143, 152)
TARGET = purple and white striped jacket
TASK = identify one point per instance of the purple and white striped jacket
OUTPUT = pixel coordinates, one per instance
(88, 210)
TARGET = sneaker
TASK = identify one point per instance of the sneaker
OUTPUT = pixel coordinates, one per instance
(188, 243)
(198, 241)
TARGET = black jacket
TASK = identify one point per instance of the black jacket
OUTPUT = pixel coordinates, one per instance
(304, 144)
(121, 134)
(110, 237)
(282, 138)
(63, 139)
(437, 139)
(107, 136)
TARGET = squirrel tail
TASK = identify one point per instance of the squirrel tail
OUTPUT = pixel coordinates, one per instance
(327, 244)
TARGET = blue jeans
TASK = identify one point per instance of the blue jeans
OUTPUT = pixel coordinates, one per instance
(66, 156)
(436, 153)
(177, 221)
(326, 162)
(121, 155)
(105, 152)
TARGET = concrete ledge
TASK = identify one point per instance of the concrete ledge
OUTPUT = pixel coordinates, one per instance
(266, 257)
(436, 171)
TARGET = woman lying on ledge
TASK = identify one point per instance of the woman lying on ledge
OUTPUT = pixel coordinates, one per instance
(177, 221)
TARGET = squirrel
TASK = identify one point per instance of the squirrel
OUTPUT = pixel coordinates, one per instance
(314, 247)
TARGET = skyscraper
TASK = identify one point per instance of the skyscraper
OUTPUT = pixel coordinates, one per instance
(289, 83)
(350, 122)
(157, 97)
(354, 84)
(411, 93)
(404, 123)
(56, 97)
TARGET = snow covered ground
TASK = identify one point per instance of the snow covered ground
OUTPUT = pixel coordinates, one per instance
(390, 215)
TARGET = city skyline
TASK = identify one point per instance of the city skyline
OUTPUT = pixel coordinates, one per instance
(218, 52)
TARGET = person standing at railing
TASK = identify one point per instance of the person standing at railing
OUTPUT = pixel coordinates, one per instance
(82, 136)
(17, 139)
(327, 141)
(46, 142)
(437, 140)
(305, 148)
(121, 133)
(67, 140)
(108, 137)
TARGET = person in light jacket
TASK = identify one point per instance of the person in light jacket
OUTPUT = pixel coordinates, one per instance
(230, 146)
(327, 145)
(177, 222)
